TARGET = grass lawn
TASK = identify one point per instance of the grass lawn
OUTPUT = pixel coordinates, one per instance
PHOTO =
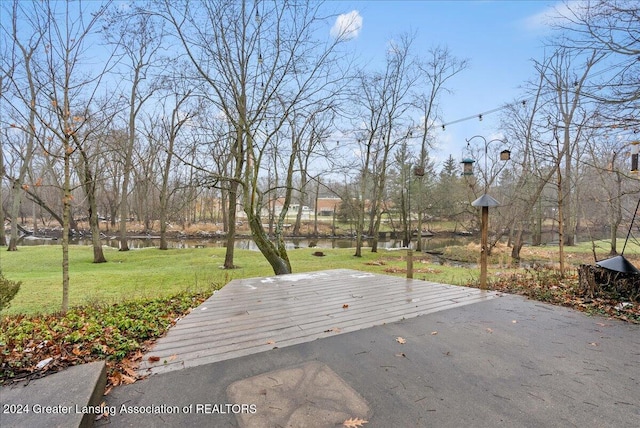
(150, 273)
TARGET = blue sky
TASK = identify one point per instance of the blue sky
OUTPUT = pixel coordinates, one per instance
(499, 38)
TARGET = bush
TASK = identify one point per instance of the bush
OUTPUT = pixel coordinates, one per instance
(8, 290)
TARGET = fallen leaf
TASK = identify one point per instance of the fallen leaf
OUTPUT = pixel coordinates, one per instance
(490, 330)
(401, 340)
(433, 333)
(354, 422)
(127, 380)
(116, 378)
(173, 357)
(270, 342)
(345, 306)
(130, 371)
(154, 359)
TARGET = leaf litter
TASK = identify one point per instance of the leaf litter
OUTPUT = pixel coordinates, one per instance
(34, 346)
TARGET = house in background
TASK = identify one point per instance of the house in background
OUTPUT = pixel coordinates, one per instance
(328, 206)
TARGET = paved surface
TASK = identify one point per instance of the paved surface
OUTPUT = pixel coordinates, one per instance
(70, 398)
(257, 314)
(504, 362)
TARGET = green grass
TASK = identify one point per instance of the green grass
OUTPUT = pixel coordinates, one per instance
(150, 273)
(136, 274)
(603, 247)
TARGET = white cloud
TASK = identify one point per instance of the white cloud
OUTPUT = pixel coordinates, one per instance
(551, 15)
(347, 25)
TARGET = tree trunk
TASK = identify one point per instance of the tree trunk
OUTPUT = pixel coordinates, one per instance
(89, 187)
(15, 210)
(231, 225)
(94, 225)
(163, 226)
(616, 214)
(561, 224)
(122, 230)
(279, 264)
(98, 254)
(238, 157)
(518, 242)
(614, 239)
(66, 225)
(3, 236)
(315, 210)
(376, 233)
(301, 201)
(359, 227)
(224, 195)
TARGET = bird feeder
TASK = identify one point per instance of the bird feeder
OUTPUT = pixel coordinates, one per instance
(635, 148)
(505, 155)
(467, 166)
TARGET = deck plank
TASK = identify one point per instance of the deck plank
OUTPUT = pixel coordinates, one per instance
(257, 314)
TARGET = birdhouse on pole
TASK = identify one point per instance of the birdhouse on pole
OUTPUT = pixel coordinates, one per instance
(635, 148)
(467, 166)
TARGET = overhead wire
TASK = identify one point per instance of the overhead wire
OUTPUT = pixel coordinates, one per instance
(523, 101)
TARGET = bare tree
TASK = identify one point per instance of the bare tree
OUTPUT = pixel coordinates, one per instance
(171, 127)
(611, 28)
(522, 123)
(383, 99)
(140, 39)
(88, 142)
(21, 90)
(222, 164)
(261, 61)
(312, 132)
(567, 84)
(65, 94)
(436, 71)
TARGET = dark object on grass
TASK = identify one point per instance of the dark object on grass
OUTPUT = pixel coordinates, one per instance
(618, 264)
(615, 276)
(318, 254)
(599, 281)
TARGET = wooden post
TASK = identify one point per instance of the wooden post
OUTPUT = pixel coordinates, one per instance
(483, 248)
(409, 263)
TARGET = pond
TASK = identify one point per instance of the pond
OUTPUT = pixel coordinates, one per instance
(247, 243)
(436, 242)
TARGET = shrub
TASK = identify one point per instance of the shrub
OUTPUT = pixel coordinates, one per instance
(8, 290)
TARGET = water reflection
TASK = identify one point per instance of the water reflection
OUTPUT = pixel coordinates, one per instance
(246, 243)
(433, 243)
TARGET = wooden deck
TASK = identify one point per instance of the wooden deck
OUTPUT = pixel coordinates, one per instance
(254, 315)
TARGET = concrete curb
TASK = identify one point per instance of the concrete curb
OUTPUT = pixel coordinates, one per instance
(70, 398)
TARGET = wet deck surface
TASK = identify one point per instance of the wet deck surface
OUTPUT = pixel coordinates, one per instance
(257, 314)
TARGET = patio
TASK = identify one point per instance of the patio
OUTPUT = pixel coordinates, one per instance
(253, 315)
